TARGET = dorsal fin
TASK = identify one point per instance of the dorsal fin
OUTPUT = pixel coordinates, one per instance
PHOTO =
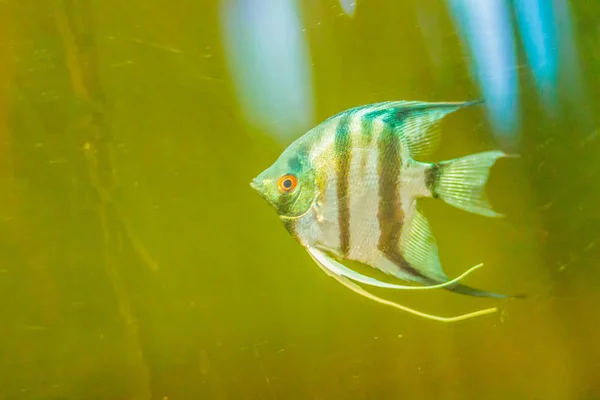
(417, 122)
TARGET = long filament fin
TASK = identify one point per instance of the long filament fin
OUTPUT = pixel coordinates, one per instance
(341, 270)
(359, 290)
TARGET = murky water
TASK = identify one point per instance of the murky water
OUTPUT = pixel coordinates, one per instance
(137, 263)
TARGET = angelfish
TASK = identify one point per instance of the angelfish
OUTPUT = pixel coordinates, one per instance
(347, 190)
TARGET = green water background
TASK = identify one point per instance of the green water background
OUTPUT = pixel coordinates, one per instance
(136, 262)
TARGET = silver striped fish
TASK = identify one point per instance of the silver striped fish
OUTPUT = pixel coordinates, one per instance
(347, 191)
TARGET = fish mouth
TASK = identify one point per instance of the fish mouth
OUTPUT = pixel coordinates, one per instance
(259, 187)
(254, 184)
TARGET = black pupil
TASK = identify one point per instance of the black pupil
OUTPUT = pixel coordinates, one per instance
(287, 183)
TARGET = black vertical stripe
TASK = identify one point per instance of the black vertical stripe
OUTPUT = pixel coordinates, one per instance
(390, 214)
(341, 148)
(366, 126)
(290, 225)
(366, 137)
(432, 177)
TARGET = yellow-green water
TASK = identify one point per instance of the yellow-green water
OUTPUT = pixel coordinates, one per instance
(137, 263)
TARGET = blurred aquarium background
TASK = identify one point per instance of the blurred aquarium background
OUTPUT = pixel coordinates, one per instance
(137, 263)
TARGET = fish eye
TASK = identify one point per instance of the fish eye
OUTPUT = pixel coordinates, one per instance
(287, 183)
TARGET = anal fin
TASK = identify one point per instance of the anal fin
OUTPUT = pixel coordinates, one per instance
(419, 249)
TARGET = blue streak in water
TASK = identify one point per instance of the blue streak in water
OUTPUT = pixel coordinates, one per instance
(570, 68)
(349, 6)
(270, 65)
(486, 27)
(539, 34)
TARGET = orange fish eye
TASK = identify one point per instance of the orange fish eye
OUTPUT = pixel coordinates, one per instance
(287, 183)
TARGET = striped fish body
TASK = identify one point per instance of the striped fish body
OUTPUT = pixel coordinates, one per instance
(368, 191)
(366, 181)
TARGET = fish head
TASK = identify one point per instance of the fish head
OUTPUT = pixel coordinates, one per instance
(288, 185)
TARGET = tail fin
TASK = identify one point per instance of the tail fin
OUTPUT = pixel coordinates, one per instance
(469, 291)
(461, 182)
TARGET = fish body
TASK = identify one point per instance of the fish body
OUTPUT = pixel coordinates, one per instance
(348, 190)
